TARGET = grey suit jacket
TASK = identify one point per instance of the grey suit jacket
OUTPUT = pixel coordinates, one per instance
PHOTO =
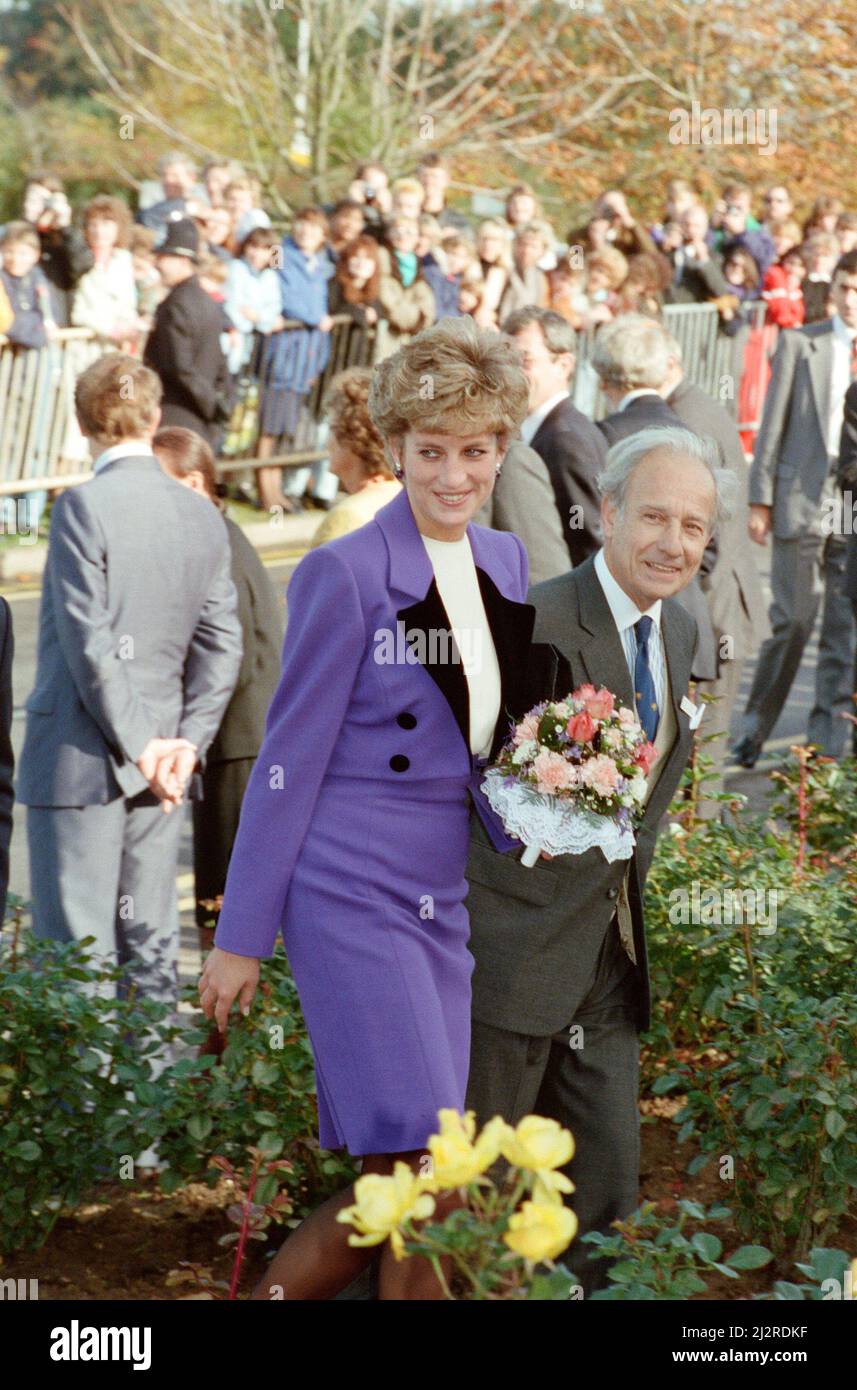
(138, 634)
(791, 466)
(535, 933)
(523, 501)
(736, 602)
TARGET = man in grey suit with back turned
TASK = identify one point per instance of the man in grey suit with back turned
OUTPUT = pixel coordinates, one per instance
(139, 650)
(560, 987)
(793, 494)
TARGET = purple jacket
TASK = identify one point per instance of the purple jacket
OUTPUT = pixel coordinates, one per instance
(342, 710)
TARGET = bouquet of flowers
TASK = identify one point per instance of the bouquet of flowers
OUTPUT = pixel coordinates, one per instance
(573, 775)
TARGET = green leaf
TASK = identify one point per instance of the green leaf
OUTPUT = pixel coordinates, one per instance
(709, 1246)
(758, 1113)
(835, 1124)
(749, 1257)
(266, 1190)
(687, 1282)
(271, 1145)
(27, 1150)
(199, 1127)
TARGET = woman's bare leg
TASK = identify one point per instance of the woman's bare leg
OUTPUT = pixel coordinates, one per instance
(413, 1277)
(316, 1262)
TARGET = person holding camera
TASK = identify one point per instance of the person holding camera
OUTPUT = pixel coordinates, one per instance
(64, 255)
(697, 270)
(184, 344)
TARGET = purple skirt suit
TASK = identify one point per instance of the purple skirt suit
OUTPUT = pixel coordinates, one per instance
(353, 837)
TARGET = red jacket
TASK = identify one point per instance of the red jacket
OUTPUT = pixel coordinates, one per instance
(785, 306)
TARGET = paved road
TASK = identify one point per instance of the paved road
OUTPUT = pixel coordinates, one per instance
(25, 606)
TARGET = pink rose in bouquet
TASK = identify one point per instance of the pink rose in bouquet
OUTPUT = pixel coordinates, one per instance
(598, 703)
(582, 727)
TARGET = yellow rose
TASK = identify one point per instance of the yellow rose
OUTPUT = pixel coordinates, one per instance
(540, 1231)
(548, 1185)
(383, 1203)
(537, 1144)
(456, 1159)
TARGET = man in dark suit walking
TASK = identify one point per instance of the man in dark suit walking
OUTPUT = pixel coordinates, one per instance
(139, 650)
(570, 445)
(184, 344)
(793, 496)
(630, 359)
(560, 988)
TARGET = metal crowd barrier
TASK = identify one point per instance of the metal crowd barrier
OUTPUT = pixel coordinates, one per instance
(41, 446)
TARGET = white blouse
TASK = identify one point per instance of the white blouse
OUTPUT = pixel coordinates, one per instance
(458, 586)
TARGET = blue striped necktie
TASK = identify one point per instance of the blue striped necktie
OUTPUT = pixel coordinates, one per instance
(644, 685)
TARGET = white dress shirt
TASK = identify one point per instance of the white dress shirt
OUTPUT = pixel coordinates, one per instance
(840, 380)
(625, 614)
(130, 449)
(458, 586)
(535, 418)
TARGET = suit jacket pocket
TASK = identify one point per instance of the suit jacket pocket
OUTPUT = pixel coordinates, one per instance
(505, 875)
(40, 702)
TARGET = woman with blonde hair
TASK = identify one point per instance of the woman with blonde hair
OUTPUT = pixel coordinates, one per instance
(357, 813)
(357, 456)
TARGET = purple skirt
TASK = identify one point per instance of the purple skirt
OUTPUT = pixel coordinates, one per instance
(376, 933)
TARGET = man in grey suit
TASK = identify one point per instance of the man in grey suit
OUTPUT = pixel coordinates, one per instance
(793, 494)
(523, 501)
(560, 987)
(732, 586)
(139, 650)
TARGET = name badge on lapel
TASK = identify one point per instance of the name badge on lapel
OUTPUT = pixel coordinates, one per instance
(694, 712)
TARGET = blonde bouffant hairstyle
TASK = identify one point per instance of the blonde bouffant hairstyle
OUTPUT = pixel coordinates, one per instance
(348, 418)
(451, 378)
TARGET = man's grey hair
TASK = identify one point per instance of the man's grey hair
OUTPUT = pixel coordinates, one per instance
(557, 332)
(633, 351)
(176, 157)
(625, 455)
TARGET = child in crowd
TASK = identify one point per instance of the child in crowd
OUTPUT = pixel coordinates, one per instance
(433, 264)
(567, 288)
(463, 263)
(782, 290)
(26, 288)
(252, 296)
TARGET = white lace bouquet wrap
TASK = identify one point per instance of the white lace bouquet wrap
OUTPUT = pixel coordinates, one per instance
(573, 776)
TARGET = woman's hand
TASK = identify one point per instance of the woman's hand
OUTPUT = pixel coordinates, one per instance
(225, 977)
